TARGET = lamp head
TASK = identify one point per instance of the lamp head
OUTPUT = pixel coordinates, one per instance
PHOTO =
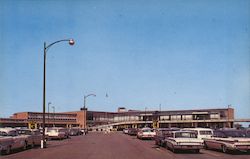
(71, 42)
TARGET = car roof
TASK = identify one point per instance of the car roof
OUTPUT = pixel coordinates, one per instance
(168, 129)
(145, 128)
(187, 131)
(7, 129)
(197, 129)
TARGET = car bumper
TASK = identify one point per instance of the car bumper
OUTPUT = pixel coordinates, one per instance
(147, 137)
(57, 137)
(3, 148)
(241, 148)
(188, 147)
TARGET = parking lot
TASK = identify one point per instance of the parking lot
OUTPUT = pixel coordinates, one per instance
(114, 145)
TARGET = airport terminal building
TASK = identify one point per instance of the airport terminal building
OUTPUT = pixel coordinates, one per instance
(212, 118)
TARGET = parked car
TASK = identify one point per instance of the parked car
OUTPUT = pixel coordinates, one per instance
(56, 133)
(125, 131)
(145, 133)
(132, 131)
(84, 131)
(184, 140)
(75, 131)
(162, 133)
(33, 138)
(5, 143)
(202, 133)
(10, 140)
(228, 140)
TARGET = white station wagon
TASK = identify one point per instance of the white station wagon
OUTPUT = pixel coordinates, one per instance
(202, 133)
(184, 140)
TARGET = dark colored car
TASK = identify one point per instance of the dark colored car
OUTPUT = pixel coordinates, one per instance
(162, 134)
(132, 131)
(75, 131)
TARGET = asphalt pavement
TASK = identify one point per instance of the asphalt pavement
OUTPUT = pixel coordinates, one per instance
(114, 145)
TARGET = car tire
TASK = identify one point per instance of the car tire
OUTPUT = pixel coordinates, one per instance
(163, 144)
(197, 151)
(8, 150)
(172, 148)
(25, 145)
(32, 145)
(205, 146)
(156, 142)
(167, 147)
(224, 148)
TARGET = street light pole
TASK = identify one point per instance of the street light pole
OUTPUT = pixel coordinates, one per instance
(53, 107)
(85, 97)
(145, 117)
(84, 109)
(48, 111)
(45, 48)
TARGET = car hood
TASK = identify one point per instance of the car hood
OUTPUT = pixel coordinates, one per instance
(5, 138)
(231, 139)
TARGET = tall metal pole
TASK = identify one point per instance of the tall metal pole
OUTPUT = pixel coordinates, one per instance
(48, 111)
(84, 109)
(71, 42)
(53, 107)
(84, 102)
(84, 99)
(43, 143)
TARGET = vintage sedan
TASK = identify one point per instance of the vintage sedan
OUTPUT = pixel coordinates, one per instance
(184, 140)
(228, 140)
(57, 133)
(5, 143)
(10, 137)
(125, 131)
(145, 133)
(132, 131)
(75, 131)
(162, 134)
(33, 137)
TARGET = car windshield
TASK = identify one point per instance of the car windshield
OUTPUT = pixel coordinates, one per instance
(12, 133)
(24, 132)
(147, 130)
(63, 130)
(235, 134)
(2, 133)
(52, 130)
(205, 132)
(185, 135)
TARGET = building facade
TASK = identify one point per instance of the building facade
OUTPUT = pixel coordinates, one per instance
(213, 118)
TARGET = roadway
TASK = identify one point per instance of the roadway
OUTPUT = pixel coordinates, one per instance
(115, 145)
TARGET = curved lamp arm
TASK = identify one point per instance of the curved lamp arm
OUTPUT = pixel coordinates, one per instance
(71, 42)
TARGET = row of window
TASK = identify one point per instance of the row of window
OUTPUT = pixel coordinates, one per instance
(52, 119)
(166, 117)
(51, 116)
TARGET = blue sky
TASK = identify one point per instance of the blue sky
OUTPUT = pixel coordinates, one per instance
(180, 54)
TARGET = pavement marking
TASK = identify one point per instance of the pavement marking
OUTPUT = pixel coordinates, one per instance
(158, 149)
